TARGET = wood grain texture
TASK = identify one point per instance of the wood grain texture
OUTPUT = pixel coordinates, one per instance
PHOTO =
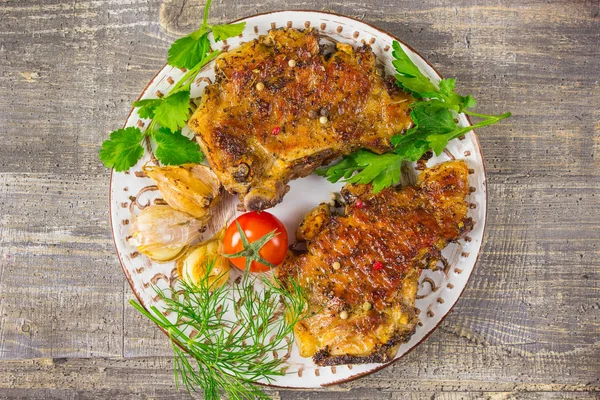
(528, 324)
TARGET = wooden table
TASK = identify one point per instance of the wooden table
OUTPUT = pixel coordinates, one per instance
(528, 324)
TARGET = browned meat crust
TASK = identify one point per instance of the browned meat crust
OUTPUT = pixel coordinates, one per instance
(364, 307)
(280, 107)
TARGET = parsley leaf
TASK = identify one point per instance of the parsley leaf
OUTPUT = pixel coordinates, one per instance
(382, 170)
(174, 110)
(189, 50)
(432, 118)
(438, 142)
(171, 111)
(412, 79)
(411, 146)
(146, 107)
(429, 118)
(123, 150)
(343, 169)
(448, 98)
(408, 74)
(223, 32)
(175, 149)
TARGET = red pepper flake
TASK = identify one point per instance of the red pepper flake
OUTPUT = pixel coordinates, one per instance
(359, 203)
(377, 265)
(276, 131)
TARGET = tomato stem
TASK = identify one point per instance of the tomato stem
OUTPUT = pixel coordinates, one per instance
(251, 251)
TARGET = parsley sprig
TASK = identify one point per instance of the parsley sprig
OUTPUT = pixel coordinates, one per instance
(169, 114)
(433, 113)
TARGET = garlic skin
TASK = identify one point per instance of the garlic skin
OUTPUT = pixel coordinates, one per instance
(162, 233)
(190, 188)
(192, 266)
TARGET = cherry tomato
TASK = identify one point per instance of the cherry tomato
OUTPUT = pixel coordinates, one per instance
(256, 225)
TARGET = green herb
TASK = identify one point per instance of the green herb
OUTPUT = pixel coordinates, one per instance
(175, 149)
(433, 114)
(382, 170)
(409, 76)
(223, 32)
(229, 354)
(448, 98)
(146, 107)
(173, 111)
(123, 150)
(187, 51)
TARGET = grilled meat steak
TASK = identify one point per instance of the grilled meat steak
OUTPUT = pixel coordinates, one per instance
(280, 107)
(361, 270)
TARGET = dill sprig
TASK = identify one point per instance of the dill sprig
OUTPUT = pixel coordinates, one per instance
(225, 338)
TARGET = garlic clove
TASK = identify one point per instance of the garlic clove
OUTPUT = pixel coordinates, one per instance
(193, 265)
(190, 188)
(163, 233)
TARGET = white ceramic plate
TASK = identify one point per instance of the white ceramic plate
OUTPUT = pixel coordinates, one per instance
(132, 191)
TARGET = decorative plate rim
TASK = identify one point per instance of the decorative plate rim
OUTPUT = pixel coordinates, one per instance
(483, 166)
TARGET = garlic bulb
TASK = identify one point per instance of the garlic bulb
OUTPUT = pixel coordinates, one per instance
(192, 266)
(162, 233)
(190, 188)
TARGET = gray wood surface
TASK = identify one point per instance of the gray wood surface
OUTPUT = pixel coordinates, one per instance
(528, 324)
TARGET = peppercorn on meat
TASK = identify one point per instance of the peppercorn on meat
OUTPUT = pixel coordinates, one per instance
(282, 105)
(361, 270)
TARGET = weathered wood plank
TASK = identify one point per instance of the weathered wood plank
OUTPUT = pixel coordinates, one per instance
(152, 376)
(527, 326)
(66, 394)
